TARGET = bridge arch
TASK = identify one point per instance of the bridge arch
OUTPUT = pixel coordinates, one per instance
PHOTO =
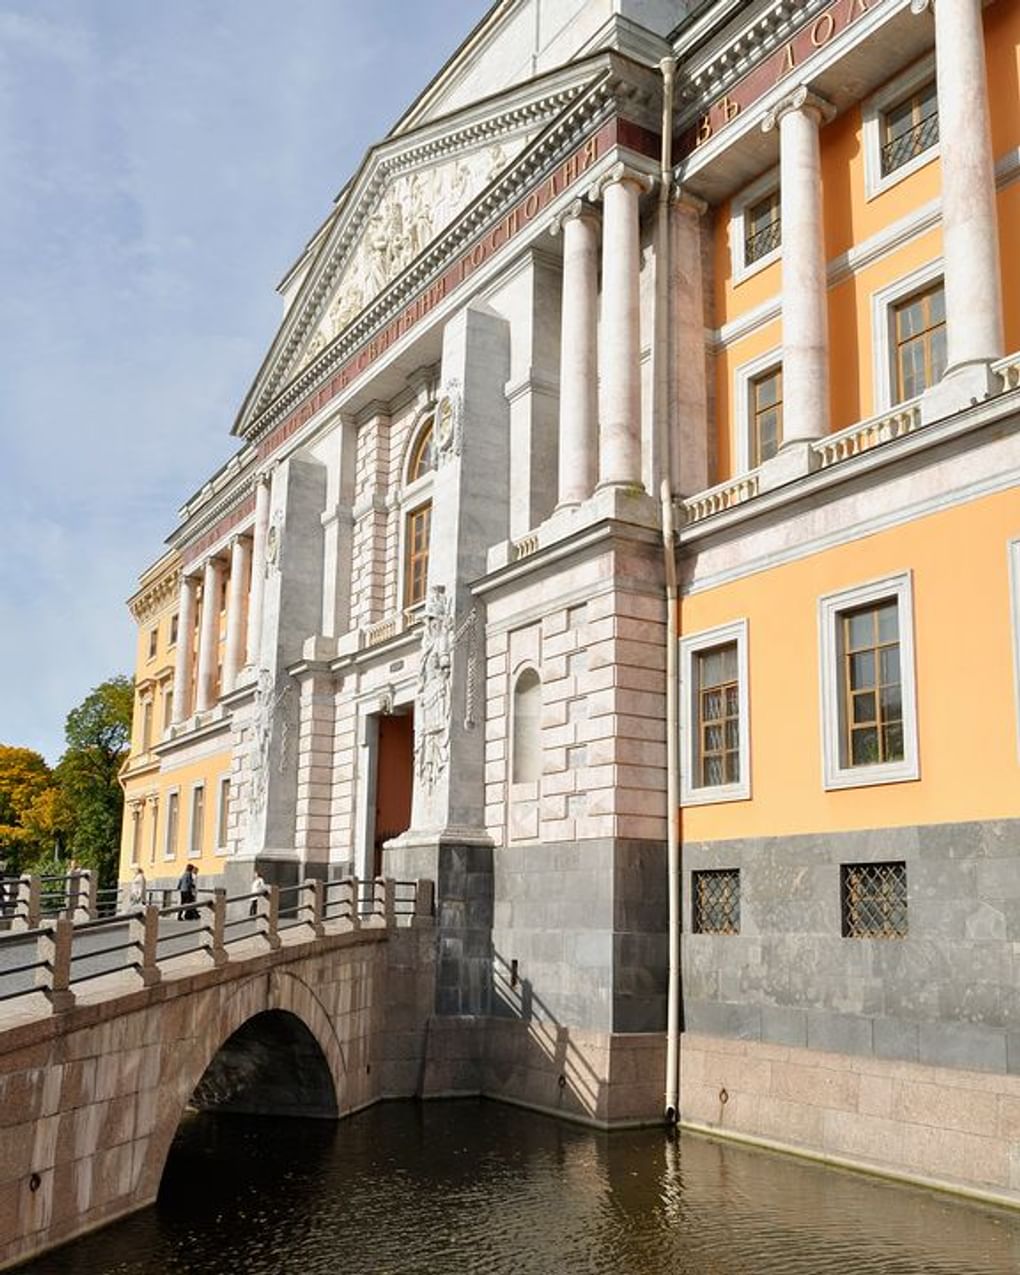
(274, 1021)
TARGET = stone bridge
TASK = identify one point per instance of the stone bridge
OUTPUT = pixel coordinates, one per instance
(318, 1014)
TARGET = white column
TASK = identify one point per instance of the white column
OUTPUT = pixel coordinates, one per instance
(208, 636)
(686, 358)
(620, 355)
(970, 238)
(258, 570)
(578, 451)
(181, 706)
(234, 646)
(805, 292)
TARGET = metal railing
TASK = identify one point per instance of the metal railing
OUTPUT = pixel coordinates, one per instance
(52, 956)
(901, 150)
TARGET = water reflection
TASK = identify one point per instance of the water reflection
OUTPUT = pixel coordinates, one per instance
(483, 1188)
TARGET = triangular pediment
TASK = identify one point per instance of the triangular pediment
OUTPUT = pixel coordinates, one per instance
(407, 194)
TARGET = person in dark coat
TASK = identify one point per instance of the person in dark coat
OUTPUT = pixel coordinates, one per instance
(189, 892)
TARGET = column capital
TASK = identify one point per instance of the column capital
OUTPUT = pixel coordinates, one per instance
(577, 209)
(621, 173)
(152, 800)
(687, 202)
(917, 7)
(799, 99)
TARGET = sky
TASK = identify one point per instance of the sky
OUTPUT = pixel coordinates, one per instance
(162, 164)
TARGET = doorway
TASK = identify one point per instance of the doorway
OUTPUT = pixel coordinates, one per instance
(394, 780)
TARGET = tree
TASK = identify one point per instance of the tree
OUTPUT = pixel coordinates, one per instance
(26, 787)
(98, 734)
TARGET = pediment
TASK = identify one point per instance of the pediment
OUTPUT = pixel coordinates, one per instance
(409, 191)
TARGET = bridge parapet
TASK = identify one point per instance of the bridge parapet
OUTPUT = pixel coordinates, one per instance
(45, 960)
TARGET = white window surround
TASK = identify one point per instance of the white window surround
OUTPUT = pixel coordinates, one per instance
(222, 847)
(745, 374)
(1014, 596)
(835, 774)
(411, 496)
(703, 795)
(195, 852)
(883, 345)
(873, 110)
(750, 195)
(170, 852)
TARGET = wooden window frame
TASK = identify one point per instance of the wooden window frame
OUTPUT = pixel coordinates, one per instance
(925, 337)
(692, 792)
(836, 773)
(754, 413)
(414, 556)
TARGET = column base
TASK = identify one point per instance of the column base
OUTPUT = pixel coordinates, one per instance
(794, 460)
(962, 386)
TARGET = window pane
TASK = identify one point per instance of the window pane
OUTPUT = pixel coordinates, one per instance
(939, 357)
(713, 739)
(713, 771)
(861, 630)
(864, 708)
(890, 664)
(891, 701)
(892, 741)
(862, 670)
(888, 622)
(733, 768)
(712, 706)
(864, 746)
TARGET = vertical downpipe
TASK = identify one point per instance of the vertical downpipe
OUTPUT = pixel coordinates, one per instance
(663, 351)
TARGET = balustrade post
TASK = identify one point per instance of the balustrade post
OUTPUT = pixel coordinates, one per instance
(355, 904)
(84, 903)
(315, 904)
(217, 949)
(389, 902)
(28, 904)
(272, 915)
(424, 899)
(145, 932)
(54, 978)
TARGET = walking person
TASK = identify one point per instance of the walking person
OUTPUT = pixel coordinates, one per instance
(189, 892)
(258, 888)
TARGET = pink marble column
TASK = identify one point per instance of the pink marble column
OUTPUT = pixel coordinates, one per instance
(234, 645)
(208, 635)
(578, 450)
(805, 287)
(258, 570)
(180, 707)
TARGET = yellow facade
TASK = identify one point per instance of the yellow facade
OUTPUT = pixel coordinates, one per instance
(151, 788)
(852, 219)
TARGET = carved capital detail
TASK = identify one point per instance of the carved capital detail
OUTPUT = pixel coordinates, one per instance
(621, 172)
(799, 99)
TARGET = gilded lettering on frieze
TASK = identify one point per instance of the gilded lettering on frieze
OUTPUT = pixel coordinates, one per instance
(813, 35)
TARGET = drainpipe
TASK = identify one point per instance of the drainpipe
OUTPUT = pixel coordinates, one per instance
(664, 338)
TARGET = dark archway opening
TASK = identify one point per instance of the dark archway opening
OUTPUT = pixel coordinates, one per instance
(273, 1066)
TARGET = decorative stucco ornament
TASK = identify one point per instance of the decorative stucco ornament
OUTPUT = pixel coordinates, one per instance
(448, 426)
(274, 536)
(268, 701)
(432, 693)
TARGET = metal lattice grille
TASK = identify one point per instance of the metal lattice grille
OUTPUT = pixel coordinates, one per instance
(874, 900)
(902, 149)
(716, 897)
(763, 241)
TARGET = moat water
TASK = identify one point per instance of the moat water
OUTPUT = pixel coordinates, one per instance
(478, 1187)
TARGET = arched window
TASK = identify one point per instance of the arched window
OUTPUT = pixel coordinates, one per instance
(527, 759)
(418, 523)
(423, 456)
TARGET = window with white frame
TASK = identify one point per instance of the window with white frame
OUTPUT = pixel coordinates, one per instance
(222, 813)
(908, 324)
(869, 716)
(197, 837)
(715, 730)
(756, 230)
(173, 815)
(758, 410)
(901, 127)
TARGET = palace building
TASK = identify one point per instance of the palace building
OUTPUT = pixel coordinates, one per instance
(624, 532)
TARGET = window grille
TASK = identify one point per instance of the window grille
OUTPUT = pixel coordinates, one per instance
(874, 900)
(764, 228)
(716, 897)
(910, 128)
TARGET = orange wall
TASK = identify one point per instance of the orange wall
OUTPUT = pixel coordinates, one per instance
(851, 219)
(966, 707)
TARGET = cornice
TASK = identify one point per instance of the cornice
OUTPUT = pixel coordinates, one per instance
(152, 599)
(614, 81)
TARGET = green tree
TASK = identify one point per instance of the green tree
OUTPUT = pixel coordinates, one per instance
(26, 786)
(98, 735)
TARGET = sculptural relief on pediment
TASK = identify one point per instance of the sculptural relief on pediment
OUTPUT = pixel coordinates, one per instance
(413, 209)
